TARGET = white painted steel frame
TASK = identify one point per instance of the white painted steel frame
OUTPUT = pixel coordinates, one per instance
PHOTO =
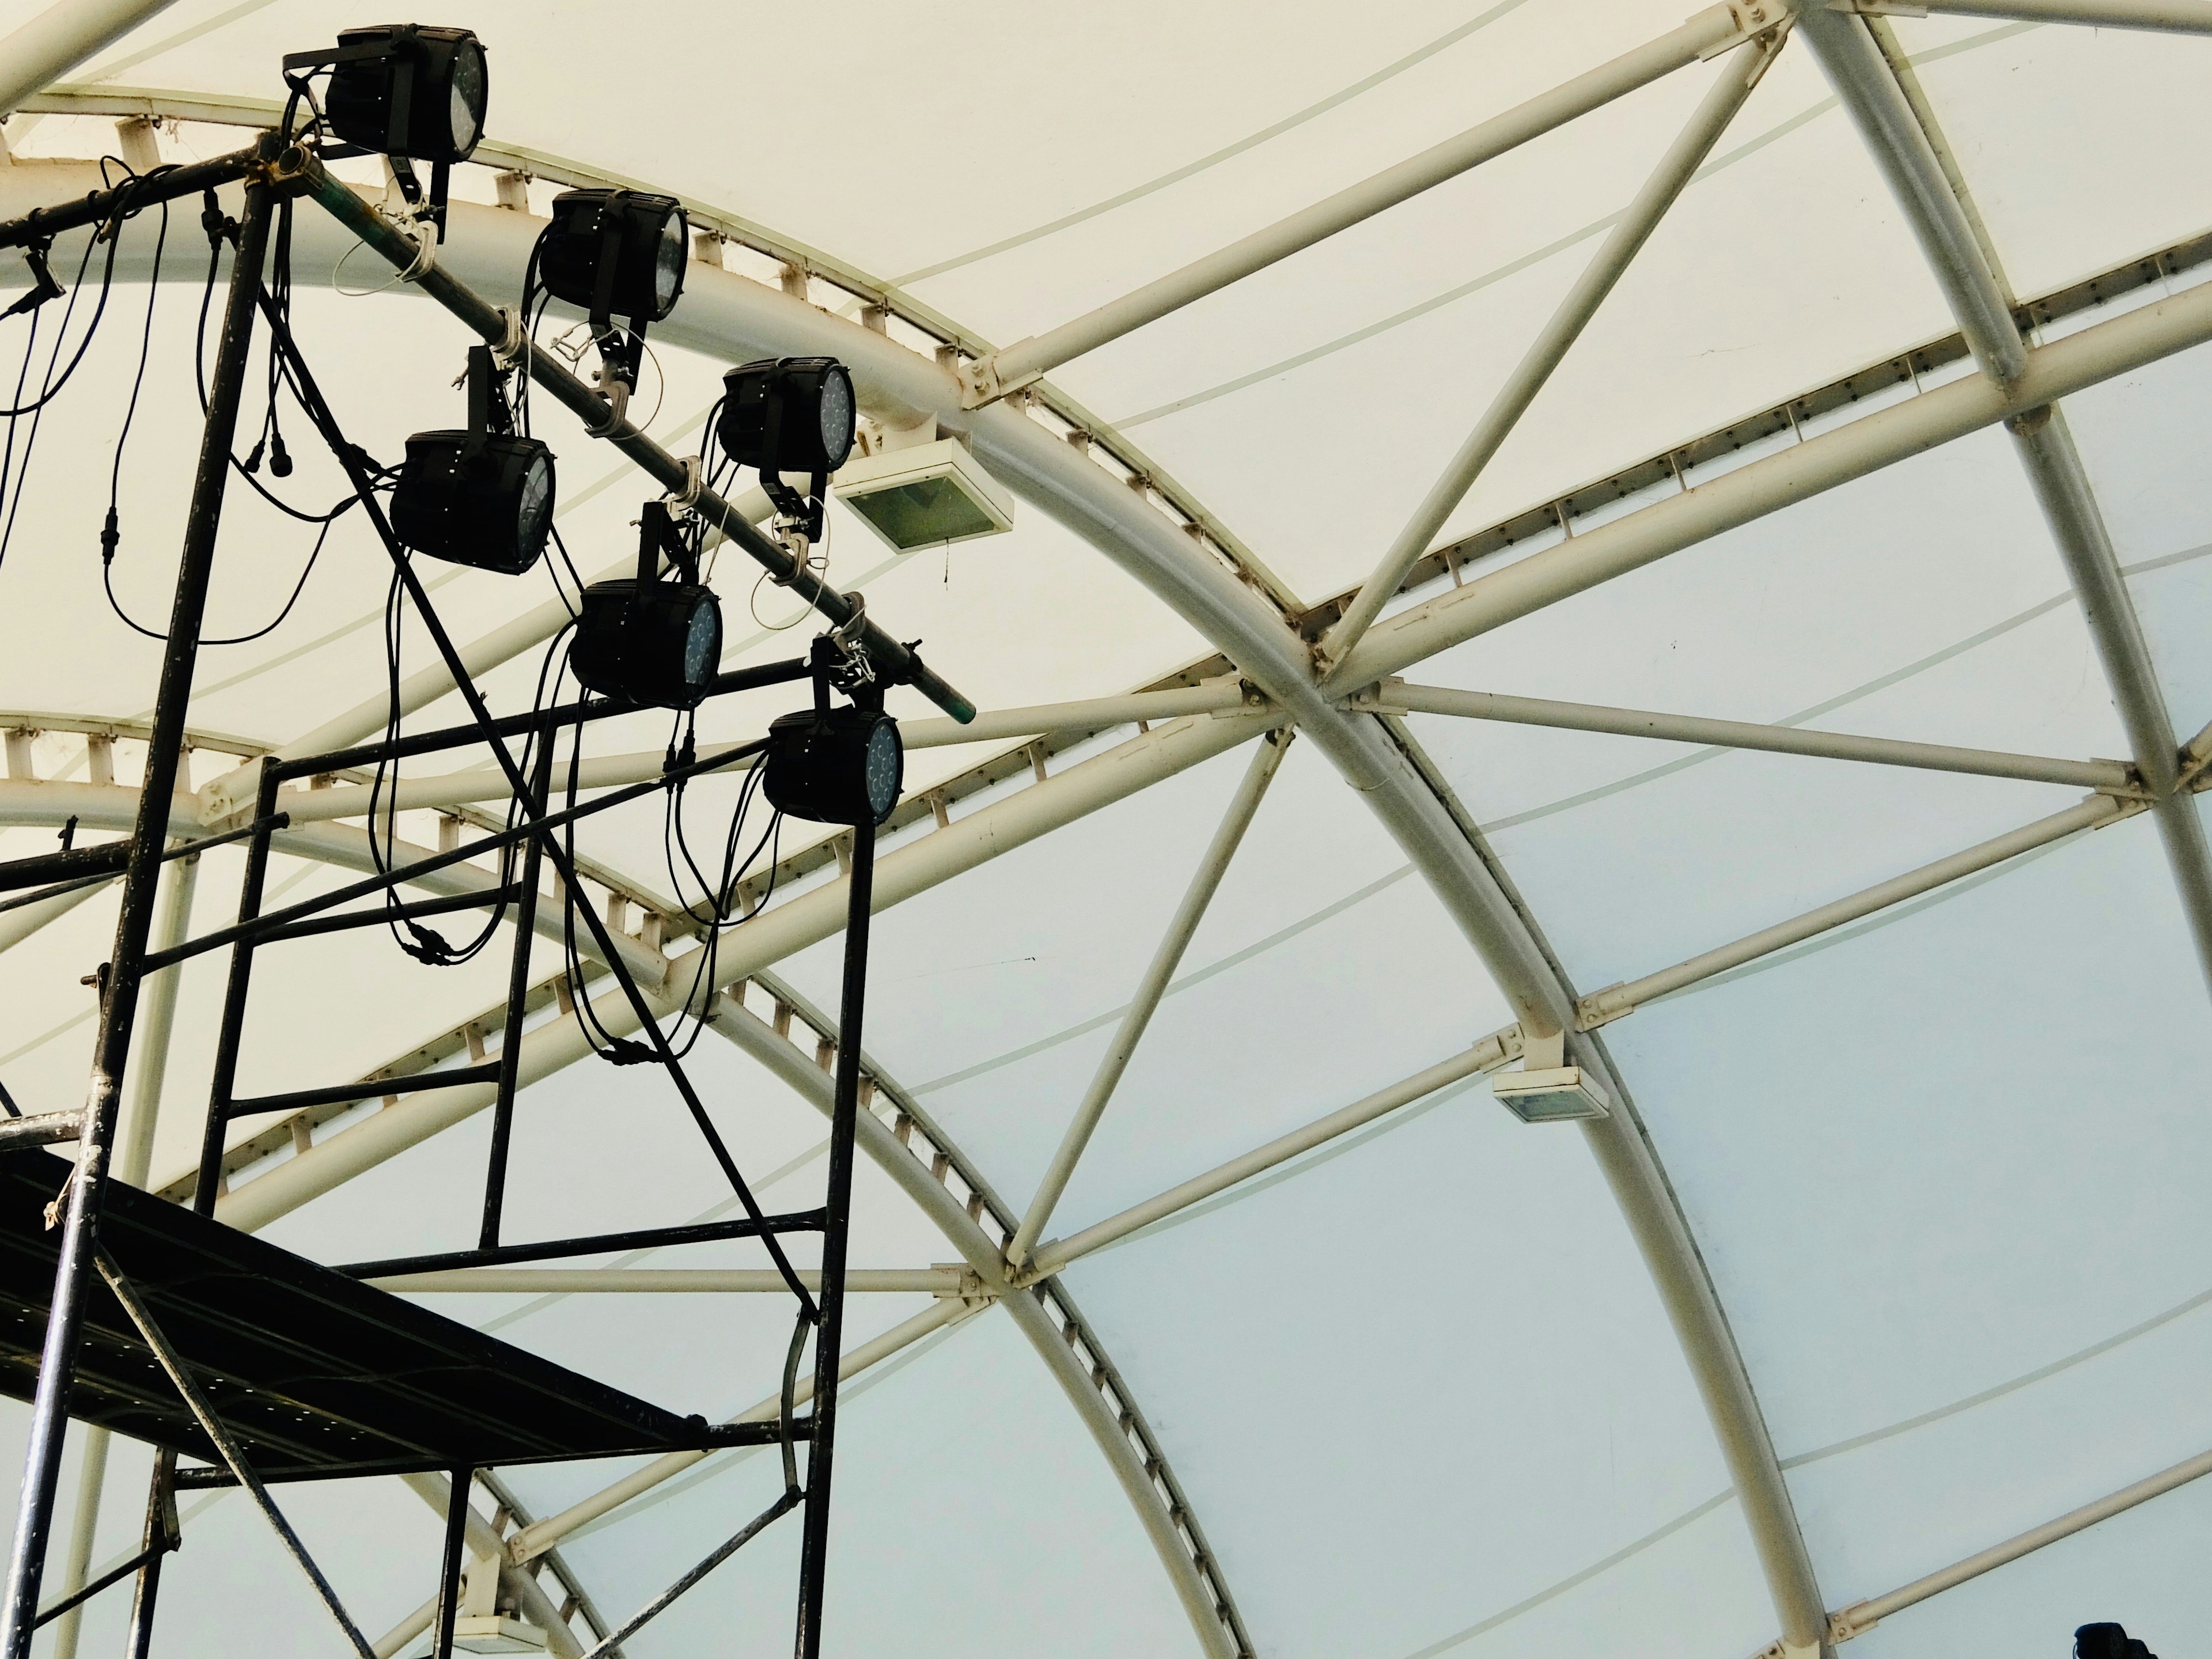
(1486, 918)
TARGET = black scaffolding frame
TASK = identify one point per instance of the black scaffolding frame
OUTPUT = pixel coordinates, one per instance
(274, 169)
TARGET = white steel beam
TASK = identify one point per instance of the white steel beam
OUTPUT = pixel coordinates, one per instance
(1938, 415)
(1492, 1052)
(669, 1281)
(614, 771)
(1862, 1616)
(1396, 697)
(535, 1540)
(60, 38)
(1705, 33)
(1616, 1001)
(1677, 166)
(1905, 150)
(114, 806)
(134, 1152)
(2174, 16)
(16, 925)
(1213, 865)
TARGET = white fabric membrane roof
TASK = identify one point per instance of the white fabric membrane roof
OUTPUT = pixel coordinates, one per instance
(1893, 1248)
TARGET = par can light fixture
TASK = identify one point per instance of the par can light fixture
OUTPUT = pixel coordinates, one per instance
(644, 640)
(834, 765)
(406, 90)
(490, 507)
(616, 252)
(483, 497)
(788, 414)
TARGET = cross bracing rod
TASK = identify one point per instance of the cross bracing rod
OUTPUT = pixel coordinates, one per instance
(1707, 31)
(893, 660)
(180, 1376)
(667, 1281)
(1862, 1616)
(1615, 1001)
(1395, 696)
(1213, 865)
(1905, 151)
(1489, 1054)
(2177, 16)
(1677, 166)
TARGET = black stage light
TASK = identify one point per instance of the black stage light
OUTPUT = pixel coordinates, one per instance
(2109, 1642)
(483, 497)
(645, 640)
(489, 508)
(787, 415)
(616, 252)
(834, 765)
(406, 90)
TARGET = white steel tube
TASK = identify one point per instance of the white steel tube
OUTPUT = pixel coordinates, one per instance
(62, 37)
(536, 1540)
(1267, 758)
(2175, 16)
(134, 1151)
(84, 1524)
(1616, 1000)
(662, 1281)
(1487, 1055)
(16, 925)
(134, 1148)
(1863, 1616)
(1396, 697)
(1836, 457)
(806, 920)
(1022, 362)
(614, 771)
(1739, 75)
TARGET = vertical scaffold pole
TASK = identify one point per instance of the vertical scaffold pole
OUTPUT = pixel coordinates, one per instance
(814, 1548)
(56, 1365)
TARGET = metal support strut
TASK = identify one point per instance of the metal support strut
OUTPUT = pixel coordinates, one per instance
(56, 1365)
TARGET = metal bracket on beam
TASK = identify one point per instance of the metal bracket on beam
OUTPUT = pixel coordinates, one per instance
(980, 384)
(1752, 19)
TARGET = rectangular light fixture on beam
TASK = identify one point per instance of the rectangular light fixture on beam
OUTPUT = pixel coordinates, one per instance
(925, 495)
(1557, 1094)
